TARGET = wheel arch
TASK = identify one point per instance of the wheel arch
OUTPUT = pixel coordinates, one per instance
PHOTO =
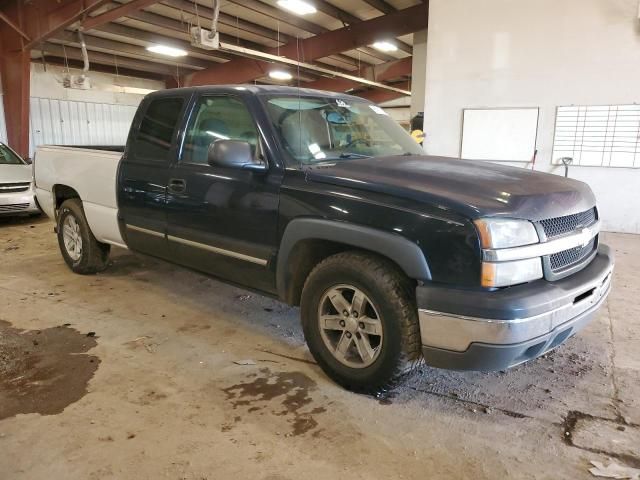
(63, 192)
(307, 241)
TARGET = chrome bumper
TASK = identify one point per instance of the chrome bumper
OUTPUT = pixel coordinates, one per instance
(571, 305)
(18, 203)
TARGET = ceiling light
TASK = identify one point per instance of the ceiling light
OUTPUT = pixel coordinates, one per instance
(385, 46)
(280, 75)
(299, 7)
(166, 50)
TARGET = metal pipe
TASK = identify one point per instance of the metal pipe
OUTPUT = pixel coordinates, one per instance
(214, 20)
(85, 55)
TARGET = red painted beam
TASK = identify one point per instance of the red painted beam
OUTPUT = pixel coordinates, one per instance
(15, 27)
(14, 72)
(378, 73)
(379, 96)
(115, 13)
(14, 67)
(367, 32)
(44, 18)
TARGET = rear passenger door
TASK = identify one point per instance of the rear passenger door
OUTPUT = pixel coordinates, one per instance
(144, 174)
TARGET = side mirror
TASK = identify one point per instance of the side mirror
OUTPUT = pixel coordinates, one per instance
(28, 160)
(234, 154)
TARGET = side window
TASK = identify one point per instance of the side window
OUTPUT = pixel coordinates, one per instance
(153, 140)
(218, 118)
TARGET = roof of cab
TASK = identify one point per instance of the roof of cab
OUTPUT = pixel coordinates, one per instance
(253, 89)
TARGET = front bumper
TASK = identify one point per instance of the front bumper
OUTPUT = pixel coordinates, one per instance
(18, 203)
(494, 330)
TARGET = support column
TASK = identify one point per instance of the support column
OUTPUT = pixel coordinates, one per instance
(15, 75)
(15, 83)
(418, 71)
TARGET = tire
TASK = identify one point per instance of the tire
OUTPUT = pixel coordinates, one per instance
(92, 256)
(388, 295)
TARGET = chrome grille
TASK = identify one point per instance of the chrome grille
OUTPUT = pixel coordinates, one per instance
(567, 258)
(16, 207)
(14, 187)
(555, 227)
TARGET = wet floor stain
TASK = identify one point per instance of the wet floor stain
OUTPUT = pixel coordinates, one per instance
(285, 393)
(611, 437)
(43, 371)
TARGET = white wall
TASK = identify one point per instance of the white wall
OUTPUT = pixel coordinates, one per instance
(541, 53)
(105, 88)
(100, 115)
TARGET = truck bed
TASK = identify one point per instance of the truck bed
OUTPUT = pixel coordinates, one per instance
(90, 171)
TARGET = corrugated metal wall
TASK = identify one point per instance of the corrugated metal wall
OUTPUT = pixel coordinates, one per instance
(66, 122)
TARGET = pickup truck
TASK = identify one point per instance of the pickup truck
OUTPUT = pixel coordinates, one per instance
(322, 200)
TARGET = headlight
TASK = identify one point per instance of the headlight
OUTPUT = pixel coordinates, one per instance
(496, 233)
(505, 233)
(504, 274)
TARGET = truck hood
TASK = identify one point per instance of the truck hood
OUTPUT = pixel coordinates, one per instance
(15, 173)
(472, 188)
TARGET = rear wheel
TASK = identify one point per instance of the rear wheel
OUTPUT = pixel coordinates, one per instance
(80, 249)
(360, 321)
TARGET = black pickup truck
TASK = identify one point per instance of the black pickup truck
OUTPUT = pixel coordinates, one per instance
(324, 201)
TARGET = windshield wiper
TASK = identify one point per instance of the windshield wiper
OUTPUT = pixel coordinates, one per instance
(353, 155)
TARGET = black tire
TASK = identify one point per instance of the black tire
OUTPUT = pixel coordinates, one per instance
(392, 293)
(94, 256)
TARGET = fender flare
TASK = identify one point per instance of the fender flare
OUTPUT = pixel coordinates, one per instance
(405, 253)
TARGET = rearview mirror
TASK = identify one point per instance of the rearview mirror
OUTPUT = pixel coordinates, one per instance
(234, 154)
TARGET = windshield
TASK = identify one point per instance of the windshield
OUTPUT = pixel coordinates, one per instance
(317, 129)
(7, 157)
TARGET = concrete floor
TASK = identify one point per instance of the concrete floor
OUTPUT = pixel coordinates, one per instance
(131, 374)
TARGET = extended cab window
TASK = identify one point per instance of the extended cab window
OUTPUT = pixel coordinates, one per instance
(218, 118)
(154, 137)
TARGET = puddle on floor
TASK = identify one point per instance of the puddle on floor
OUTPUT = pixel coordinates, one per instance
(43, 371)
(288, 392)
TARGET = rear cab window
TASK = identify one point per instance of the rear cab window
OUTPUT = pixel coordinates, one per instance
(155, 135)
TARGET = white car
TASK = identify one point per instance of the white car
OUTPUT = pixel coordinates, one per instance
(17, 194)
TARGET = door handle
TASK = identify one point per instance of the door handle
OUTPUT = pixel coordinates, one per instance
(177, 185)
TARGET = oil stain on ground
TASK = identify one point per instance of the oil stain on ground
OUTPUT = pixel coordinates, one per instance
(289, 389)
(43, 371)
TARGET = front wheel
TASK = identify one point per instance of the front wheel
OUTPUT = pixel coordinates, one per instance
(80, 249)
(360, 321)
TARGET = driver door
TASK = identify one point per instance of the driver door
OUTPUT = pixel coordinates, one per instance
(223, 220)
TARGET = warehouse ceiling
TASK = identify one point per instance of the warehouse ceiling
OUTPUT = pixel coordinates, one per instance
(331, 48)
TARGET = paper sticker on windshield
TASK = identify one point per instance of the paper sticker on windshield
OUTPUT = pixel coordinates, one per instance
(342, 103)
(378, 110)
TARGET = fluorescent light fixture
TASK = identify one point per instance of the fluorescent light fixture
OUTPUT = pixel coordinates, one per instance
(167, 50)
(385, 46)
(280, 75)
(299, 7)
